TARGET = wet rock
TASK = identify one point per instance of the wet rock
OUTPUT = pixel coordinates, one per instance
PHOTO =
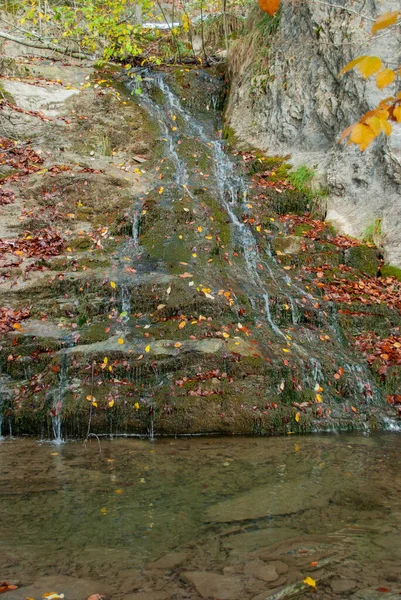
(280, 566)
(274, 499)
(170, 561)
(131, 580)
(213, 585)
(369, 594)
(288, 244)
(153, 595)
(340, 586)
(261, 570)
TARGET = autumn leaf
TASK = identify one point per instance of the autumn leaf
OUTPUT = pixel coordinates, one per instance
(113, 285)
(353, 409)
(397, 113)
(136, 406)
(147, 348)
(384, 78)
(111, 403)
(361, 135)
(310, 581)
(120, 341)
(385, 20)
(269, 6)
(182, 325)
(369, 65)
(297, 416)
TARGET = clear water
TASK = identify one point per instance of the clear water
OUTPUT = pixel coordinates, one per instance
(80, 521)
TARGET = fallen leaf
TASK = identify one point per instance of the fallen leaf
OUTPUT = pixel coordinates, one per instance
(310, 581)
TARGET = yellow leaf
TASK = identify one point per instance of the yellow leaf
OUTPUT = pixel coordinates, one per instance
(351, 64)
(136, 406)
(369, 65)
(361, 135)
(226, 335)
(120, 341)
(111, 403)
(161, 190)
(94, 404)
(91, 398)
(285, 349)
(310, 581)
(147, 348)
(319, 398)
(16, 326)
(182, 325)
(384, 78)
(113, 285)
(297, 417)
(375, 124)
(385, 20)
(177, 345)
(200, 229)
(269, 6)
(105, 360)
(397, 113)
(103, 510)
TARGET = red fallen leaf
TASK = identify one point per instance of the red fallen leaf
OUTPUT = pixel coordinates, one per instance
(96, 597)
(394, 399)
(382, 589)
(6, 587)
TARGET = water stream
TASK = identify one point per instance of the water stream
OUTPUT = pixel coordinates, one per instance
(250, 516)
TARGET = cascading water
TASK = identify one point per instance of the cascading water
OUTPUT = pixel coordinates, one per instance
(230, 190)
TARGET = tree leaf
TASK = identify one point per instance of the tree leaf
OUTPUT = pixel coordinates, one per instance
(384, 78)
(361, 135)
(349, 66)
(369, 65)
(269, 6)
(397, 113)
(385, 20)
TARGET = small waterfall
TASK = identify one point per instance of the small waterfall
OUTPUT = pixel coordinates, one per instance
(125, 304)
(230, 188)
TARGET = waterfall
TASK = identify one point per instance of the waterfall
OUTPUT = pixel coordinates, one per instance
(230, 188)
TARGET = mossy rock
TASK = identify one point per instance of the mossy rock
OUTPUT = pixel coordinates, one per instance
(287, 244)
(363, 258)
(390, 271)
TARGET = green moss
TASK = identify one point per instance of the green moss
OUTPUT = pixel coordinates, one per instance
(390, 271)
(364, 259)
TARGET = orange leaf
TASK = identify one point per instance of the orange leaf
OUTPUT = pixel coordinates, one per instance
(361, 135)
(397, 113)
(269, 6)
(385, 20)
(353, 409)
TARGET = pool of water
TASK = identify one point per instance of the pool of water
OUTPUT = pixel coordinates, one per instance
(220, 518)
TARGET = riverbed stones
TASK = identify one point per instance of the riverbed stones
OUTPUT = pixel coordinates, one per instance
(213, 585)
(274, 499)
(261, 570)
(340, 586)
(170, 561)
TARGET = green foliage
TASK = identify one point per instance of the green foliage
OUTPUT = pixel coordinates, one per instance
(373, 233)
(104, 29)
(301, 177)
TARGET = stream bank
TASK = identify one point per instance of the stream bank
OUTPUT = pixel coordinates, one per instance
(153, 283)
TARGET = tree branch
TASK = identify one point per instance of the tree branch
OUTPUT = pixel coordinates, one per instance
(45, 46)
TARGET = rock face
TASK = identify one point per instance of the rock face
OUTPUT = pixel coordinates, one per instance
(286, 98)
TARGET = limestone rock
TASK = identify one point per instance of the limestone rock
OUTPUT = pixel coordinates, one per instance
(299, 106)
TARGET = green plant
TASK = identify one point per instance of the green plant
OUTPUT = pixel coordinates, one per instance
(373, 233)
(301, 178)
